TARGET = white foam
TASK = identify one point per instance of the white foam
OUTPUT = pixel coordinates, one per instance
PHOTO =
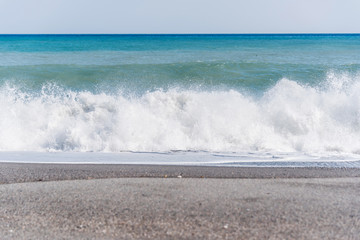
(182, 158)
(288, 118)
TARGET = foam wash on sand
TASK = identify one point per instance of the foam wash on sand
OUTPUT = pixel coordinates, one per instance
(220, 99)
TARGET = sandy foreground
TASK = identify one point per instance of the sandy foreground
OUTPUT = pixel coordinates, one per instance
(170, 202)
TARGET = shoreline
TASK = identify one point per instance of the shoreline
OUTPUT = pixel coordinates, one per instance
(35, 172)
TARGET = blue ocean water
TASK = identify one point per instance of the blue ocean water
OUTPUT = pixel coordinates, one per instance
(140, 63)
(249, 94)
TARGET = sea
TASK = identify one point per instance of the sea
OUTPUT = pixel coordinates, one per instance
(210, 99)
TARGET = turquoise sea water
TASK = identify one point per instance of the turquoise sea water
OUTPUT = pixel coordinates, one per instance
(140, 63)
(295, 94)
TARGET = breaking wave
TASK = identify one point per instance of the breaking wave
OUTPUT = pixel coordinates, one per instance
(289, 117)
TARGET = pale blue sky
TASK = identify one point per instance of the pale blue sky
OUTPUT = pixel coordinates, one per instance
(179, 16)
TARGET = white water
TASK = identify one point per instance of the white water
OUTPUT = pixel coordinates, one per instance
(288, 118)
(182, 158)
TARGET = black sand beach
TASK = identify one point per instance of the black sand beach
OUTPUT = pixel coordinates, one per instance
(177, 202)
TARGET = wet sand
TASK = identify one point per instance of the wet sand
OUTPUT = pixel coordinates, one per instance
(30, 172)
(154, 202)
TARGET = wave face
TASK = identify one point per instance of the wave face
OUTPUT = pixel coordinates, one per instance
(289, 117)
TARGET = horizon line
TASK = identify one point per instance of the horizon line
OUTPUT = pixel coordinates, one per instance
(2, 34)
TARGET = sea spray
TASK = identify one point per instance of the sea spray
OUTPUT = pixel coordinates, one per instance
(289, 117)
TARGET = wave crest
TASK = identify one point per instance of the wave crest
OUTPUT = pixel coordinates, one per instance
(288, 118)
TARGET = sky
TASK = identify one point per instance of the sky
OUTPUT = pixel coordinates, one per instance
(179, 16)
